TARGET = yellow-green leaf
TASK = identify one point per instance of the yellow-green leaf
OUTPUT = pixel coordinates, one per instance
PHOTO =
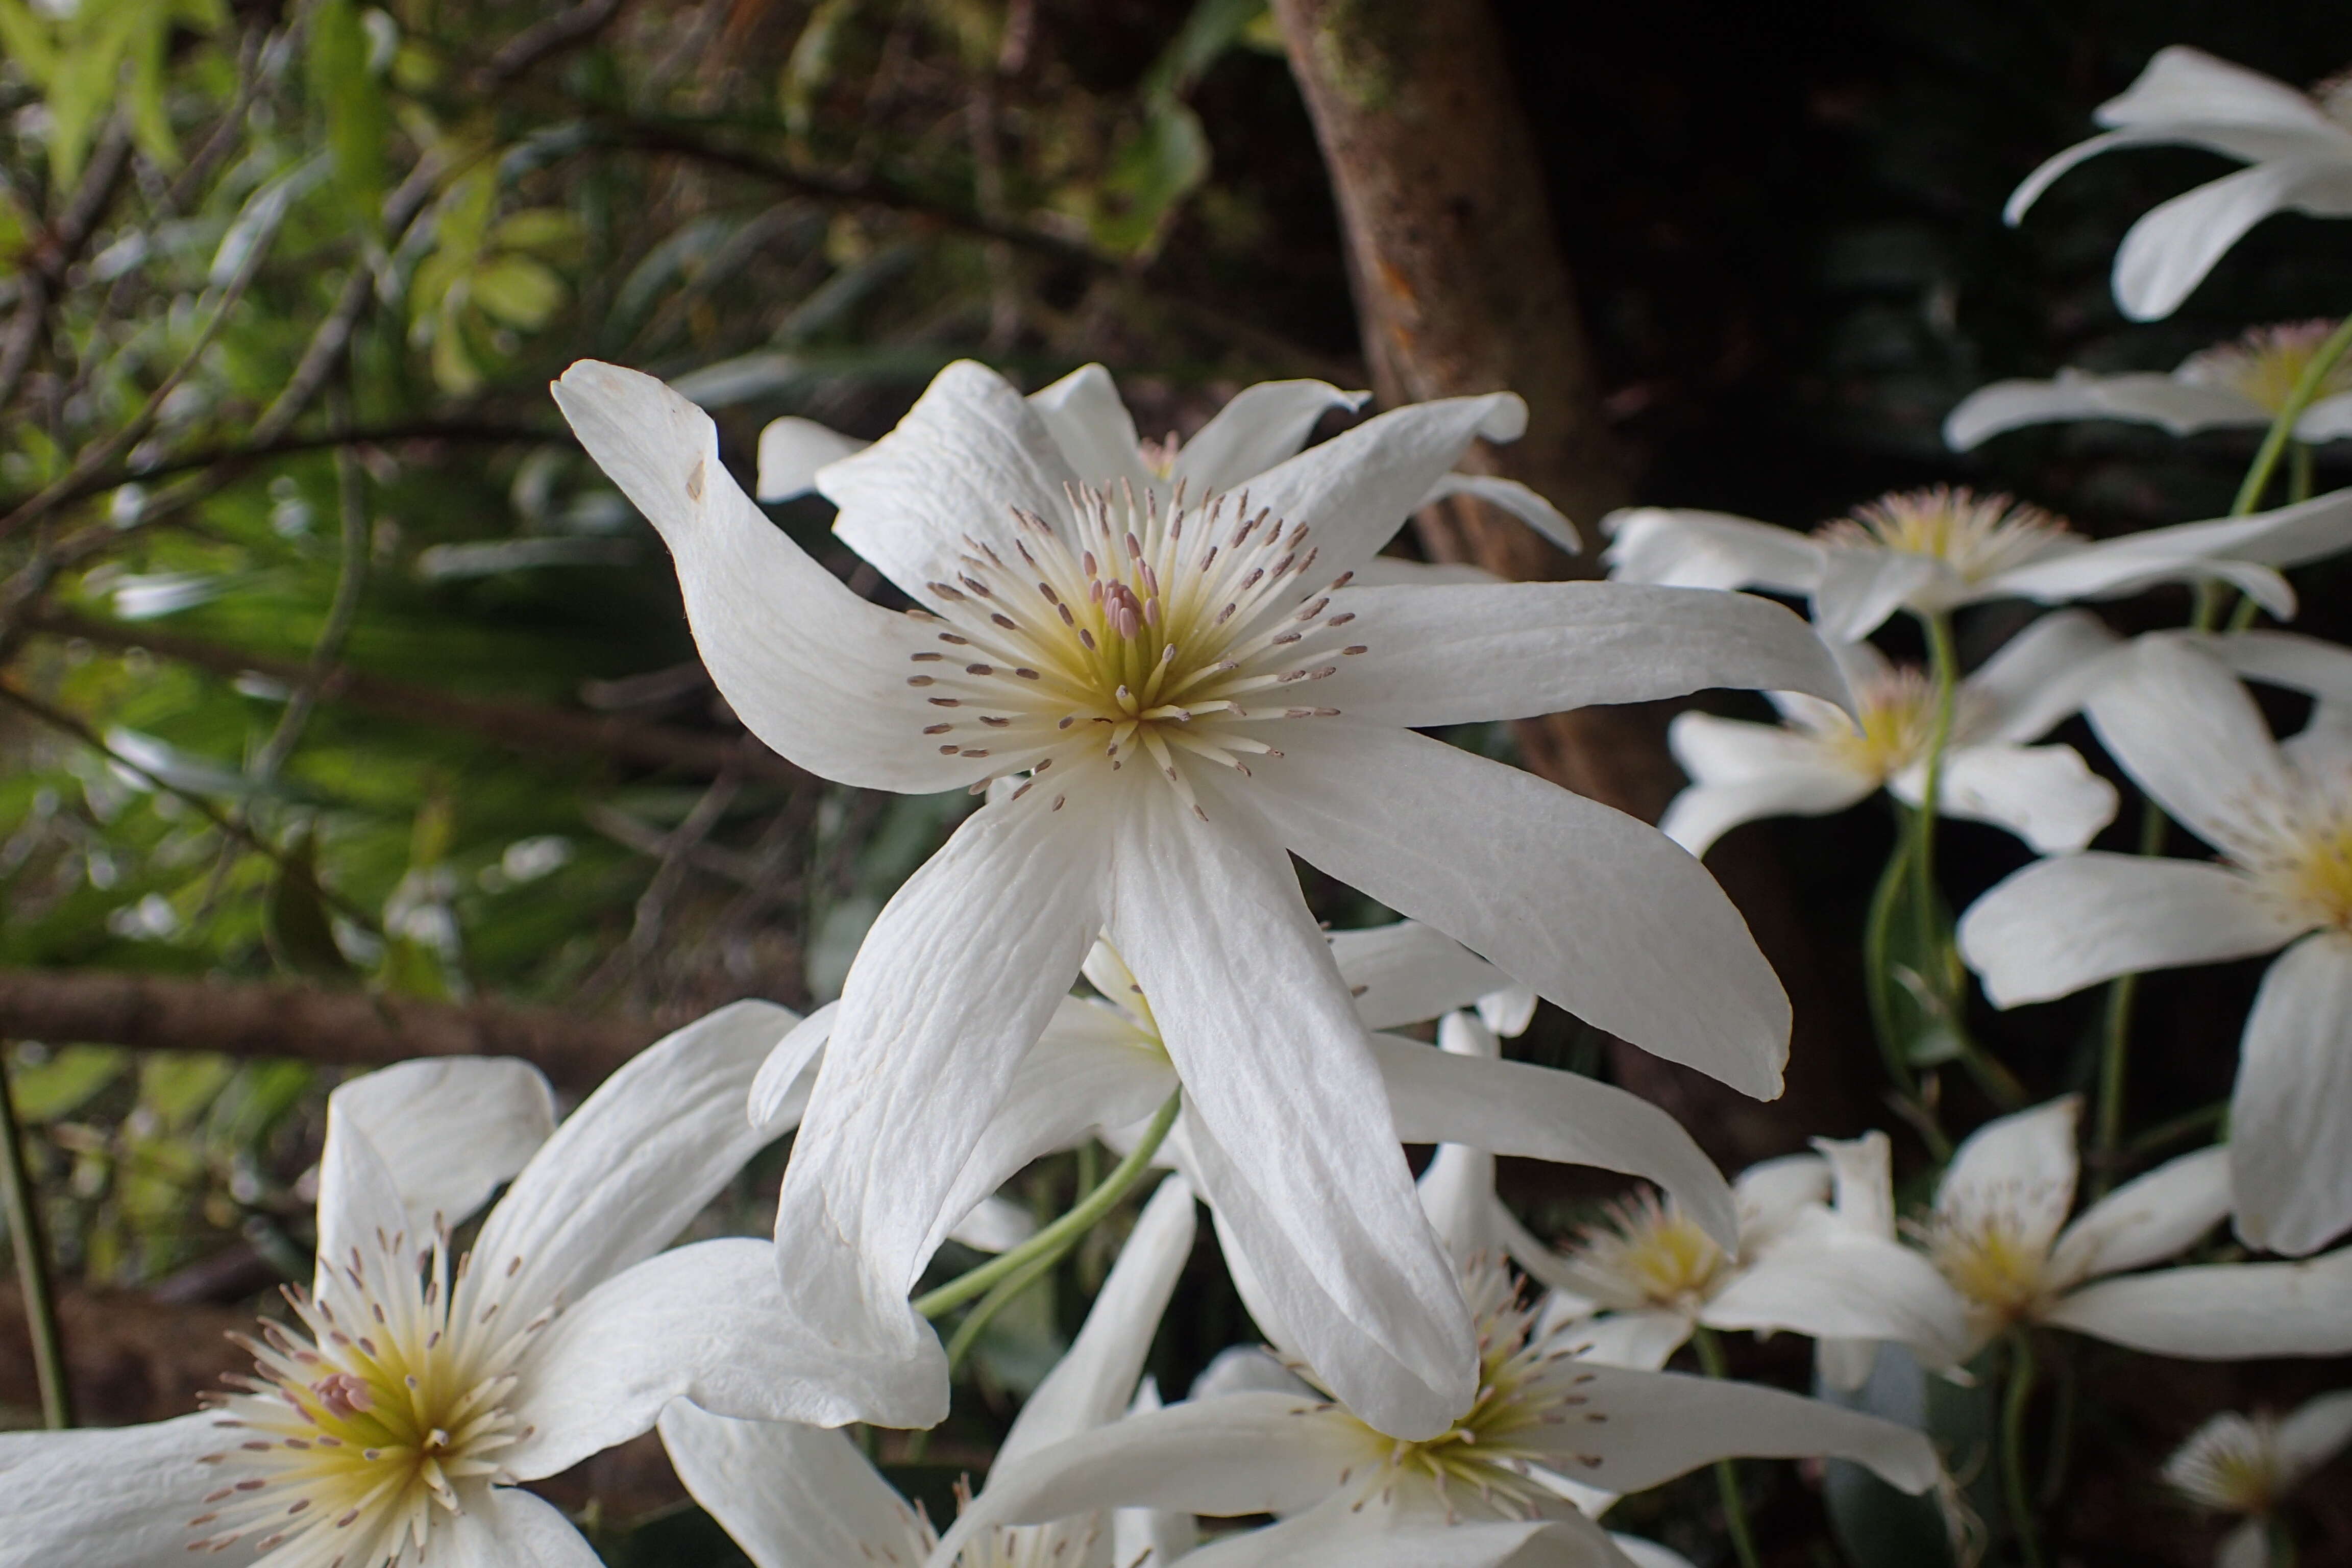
(517, 290)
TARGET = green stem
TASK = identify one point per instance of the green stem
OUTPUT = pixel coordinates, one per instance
(984, 1310)
(32, 1252)
(2014, 1407)
(2188, 1125)
(2115, 1049)
(1875, 936)
(1726, 1474)
(1943, 665)
(2298, 472)
(2274, 440)
(2281, 1536)
(1057, 1238)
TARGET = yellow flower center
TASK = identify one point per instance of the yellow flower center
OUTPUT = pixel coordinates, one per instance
(1975, 535)
(2233, 1463)
(2296, 845)
(1651, 1254)
(1137, 630)
(1988, 1258)
(2264, 363)
(379, 1413)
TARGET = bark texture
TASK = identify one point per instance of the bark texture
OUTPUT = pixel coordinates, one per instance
(340, 1028)
(1462, 287)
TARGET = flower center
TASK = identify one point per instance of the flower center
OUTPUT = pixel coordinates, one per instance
(2233, 1463)
(2296, 845)
(1975, 535)
(357, 1429)
(2263, 364)
(1650, 1254)
(2334, 96)
(1989, 1259)
(1170, 634)
(1530, 1388)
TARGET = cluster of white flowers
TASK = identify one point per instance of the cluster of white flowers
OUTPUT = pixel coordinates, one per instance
(1171, 669)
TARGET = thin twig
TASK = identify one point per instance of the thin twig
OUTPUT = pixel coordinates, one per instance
(57, 251)
(29, 1241)
(565, 30)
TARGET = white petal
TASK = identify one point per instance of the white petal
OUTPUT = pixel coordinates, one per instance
(2146, 1220)
(1237, 1454)
(2020, 1167)
(2047, 796)
(958, 976)
(1643, 1341)
(781, 1091)
(791, 450)
(1247, 1369)
(791, 1496)
(1407, 973)
(2316, 1432)
(2059, 925)
(2185, 729)
(814, 671)
(1091, 425)
(2181, 85)
(2285, 536)
(450, 1131)
(1458, 1194)
(2112, 568)
(98, 1498)
(1091, 1385)
(1808, 787)
(509, 1529)
(2323, 745)
(1661, 1424)
(1715, 751)
(1649, 1554)
(2248, 1545)
(1686, 549)
(1354, 492)
(1862, 1170)
(971, 449)
(1518, 499)
(2177, 405)
(699, 1322)
(1395, 572)
(1861, 585)
(2169, 251)
(2039, 677)
(1597, 911)
(628, 1170)
(1263, 426)
(1462, 655)
(1542, 1114)
(1278, 1072)
(996, 1223)
(1772, 1193)
(1337, 1534)
(2301, 663)
(2290, 1114)
(361, 1217)
(1827, 1280)
(1509, 1011)
(2222, 1311)
(2327, 419)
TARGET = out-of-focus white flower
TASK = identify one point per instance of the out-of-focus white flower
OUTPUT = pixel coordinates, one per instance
(2240, 385)
(2298, 146)
(1935, 550)
(1193, 689)
(1545, 1419)
(1088, 421)
(795, 1496)
(2000, 1236)
(389, 1423)
(2248, 1463)
(2183, 727)
(1815, 762)
(1101, 1067)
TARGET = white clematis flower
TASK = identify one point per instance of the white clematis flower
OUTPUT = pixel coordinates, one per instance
(2248, 1463)
(2298, 146)
(2183, 727)
(1266, 706)
(1935, 550)
(1813, 762)
(2238, 386)
(1999, 1237)
(1260, 428)
(795, 1496)
(1544, 1419)
(1102, 1067)
(388, 1423)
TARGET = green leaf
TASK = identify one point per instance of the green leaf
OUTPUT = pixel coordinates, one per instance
(1931, 984)
(1214, 27)
(550, 232)
(25, 40)
(1876, 1525)
(66, 1082)
(297, 929)
(1163, 161)
(411, 969)
(178, 1085)
(352, 101)
(518, 292)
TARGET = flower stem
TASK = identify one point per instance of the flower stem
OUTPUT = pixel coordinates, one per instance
(2280, 1535)
(1943, 665)
(32, 1264)
(2282, 430)
(2115, 1049)
(984, 1310)
(1875, 977)
(2014, 1407)
(1726, 1474)
(1063, 1232)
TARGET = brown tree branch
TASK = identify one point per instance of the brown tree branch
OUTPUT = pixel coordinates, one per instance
(333, 1028)
(524, 727)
